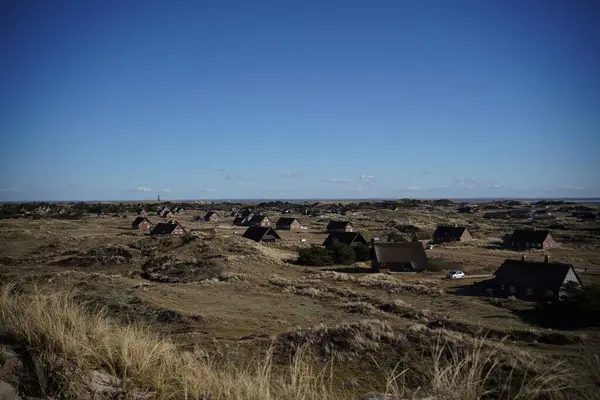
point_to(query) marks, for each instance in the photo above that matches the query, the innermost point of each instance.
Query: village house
(168, 228)
(289, 224)
(340, 226)
(522, 239)
(531, 280)
(421, 236)
(101, 214)
(454, 233)
(165, 212)
(240, 221)
(141, 223)
(466, 209)
(142, 212)
(212, 216)
(398, 257)
(347, 238)
(261, 234)
(260, 220)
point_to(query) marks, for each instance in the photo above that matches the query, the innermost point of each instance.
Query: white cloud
(234, 177)
(469, 183)
(366, 179)
(143, 189)
(166, 190)
(291, 175)
(208, 190)
(9, 190)
(336, 180)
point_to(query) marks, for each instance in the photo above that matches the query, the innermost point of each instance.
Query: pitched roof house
(530, 280)
(141, 223)
(261, 234)
(420, 236)
(240, 221)
(168, 228)
(445, 233)
(162, 212)
(142, 212)
(289, 224)
(340, 226)
(347, 238)
(212, 216)
(529, 239)
(260, 220)
(398, 257)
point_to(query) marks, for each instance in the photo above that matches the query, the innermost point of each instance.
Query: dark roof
(529, 235)
(138, 221)
(338, 224)
(449, 231)
(211, 213)
(239, 220)
(165, 228)
(286, 221)
(258, 233)
(534, 274)
(257, 219)
(400, 253)
(421, 235)
(347, 238)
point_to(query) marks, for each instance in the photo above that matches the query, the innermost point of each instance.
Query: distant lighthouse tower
(158, 198)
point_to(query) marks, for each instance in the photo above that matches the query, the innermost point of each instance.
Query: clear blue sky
(124, 99)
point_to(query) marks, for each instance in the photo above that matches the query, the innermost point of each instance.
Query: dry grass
(68, 346)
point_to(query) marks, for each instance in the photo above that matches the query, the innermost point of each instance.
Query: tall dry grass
(66, 345)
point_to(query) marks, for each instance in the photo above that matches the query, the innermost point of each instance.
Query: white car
(455, 275)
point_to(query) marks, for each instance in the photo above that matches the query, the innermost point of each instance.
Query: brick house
(340, 226)
(522, 239)
(261, 234)
(454, 233)
(142, 224)
(168, 228)
(531, 280)
(290, 224)
(212, 216)
(347, 238)
(260, 220)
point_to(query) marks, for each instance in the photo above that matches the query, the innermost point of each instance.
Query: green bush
(342, 254)
(396, 237)
(315, 255)
(578, 307)
(363, 252)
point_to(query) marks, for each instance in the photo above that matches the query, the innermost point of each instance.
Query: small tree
(315, 256)
(396, 237)
(362, 252)
(576, 307)
(342, 254)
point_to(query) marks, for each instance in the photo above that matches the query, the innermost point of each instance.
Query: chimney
(546, 259)
(524, 257)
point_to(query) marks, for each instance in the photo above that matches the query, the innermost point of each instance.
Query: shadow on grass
(350, 270)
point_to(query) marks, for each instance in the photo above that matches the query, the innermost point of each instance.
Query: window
(501, 287)
(529, 291)
(513, 289)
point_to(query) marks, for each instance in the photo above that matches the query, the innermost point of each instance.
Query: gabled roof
(338, 224)
(239, 220)
(530, 235)
(347, 238)
(136, 222)
(258, 233)
(211, 213)
(257, 219)
(165, 228)
(400, 253)
(534, 274)
(421, 235)
(449, 231)
(286, 221)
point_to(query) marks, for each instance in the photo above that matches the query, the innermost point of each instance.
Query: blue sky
(299, 99)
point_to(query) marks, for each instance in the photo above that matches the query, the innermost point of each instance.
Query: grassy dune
(67, 346)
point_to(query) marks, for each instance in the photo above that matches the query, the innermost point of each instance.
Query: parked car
(455, 275)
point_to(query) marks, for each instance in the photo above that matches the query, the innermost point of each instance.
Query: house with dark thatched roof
(398, 257)
(168, 228)
(347, 238)
(531, 280)
(261, 234)
(340, 226)
(529, 239)
(289, 224)
(444, 233)
(141, 223)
